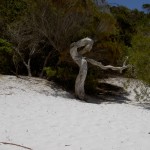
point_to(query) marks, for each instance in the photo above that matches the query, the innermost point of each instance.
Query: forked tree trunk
(28, 63)
(81, 61)
(28, 67)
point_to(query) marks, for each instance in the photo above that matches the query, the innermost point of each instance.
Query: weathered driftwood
(81, 61)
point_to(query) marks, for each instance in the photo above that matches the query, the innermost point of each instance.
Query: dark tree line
(36, 36)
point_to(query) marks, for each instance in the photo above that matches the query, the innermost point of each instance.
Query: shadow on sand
(109, 93)
(107, 98)
(145, 105)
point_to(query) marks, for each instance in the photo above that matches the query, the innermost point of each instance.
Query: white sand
(35, 114)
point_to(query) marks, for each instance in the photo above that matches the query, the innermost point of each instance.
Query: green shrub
(6, 53)
(50, 72)
(139, 56)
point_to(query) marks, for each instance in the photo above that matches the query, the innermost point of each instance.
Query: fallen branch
(6, 143)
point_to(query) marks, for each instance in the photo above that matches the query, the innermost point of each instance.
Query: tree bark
(28, 67)
(81, 61)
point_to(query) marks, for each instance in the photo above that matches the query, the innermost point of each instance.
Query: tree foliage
(147, 7)
(140, 57)
(5, 56)
(41, 31)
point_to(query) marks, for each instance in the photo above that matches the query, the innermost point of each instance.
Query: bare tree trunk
(87, 43)
(79, 84)
(28, 64)
(28, 67)
(82, 63)
(45, 63)
(16, 65)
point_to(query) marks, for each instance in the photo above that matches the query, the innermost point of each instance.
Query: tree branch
(99, 64)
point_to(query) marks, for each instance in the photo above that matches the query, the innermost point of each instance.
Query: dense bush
(6, 53)
(139, 56)
(41, 32)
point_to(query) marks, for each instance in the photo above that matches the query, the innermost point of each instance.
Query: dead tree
(28, 63)
(81, 61)
(25, 44)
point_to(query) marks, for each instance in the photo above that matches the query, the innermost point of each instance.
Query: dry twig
(6, 143)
